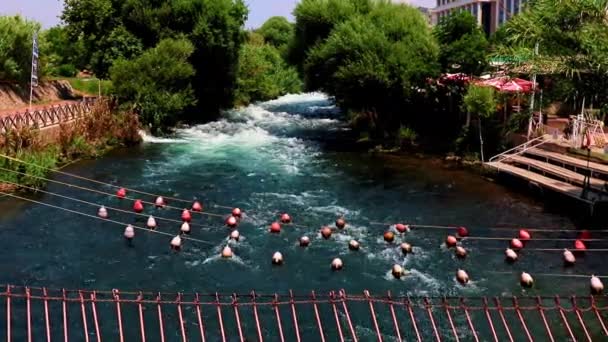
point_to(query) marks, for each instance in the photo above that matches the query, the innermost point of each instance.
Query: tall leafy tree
(315, 19)
(16, 47)
(157, 83)
(278, 32)
(376, 63)
(572, 40)
(463, 46)
(123, 29)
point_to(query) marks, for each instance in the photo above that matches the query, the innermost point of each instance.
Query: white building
(490, 14)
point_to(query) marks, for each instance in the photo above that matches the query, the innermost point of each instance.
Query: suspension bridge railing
(48, 116)
(36, 314)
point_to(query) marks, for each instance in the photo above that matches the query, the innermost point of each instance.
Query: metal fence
(48, 116)
(37, 314)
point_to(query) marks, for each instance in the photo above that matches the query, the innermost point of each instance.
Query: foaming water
(269, 158)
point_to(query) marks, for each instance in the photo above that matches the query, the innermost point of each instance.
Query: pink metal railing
(35, 314)
(45, 117)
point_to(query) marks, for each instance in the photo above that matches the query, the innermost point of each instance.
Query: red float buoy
(197, 206)
(340, 223)
(584, 235)
(236, 212)
(524, 235)
(516, 244)
(285, 218)
(579, 245)
(138, 206)
(121, 193)
(275, 227)
(402, 228)
(186, 216)
(451, 241)
(231, 222)
(389, 236)
(160, 202)
(326, 232)
(226, 252)
(462, 232)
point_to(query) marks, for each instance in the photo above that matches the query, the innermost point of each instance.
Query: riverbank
(28, 153)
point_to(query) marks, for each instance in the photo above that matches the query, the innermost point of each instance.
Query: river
(293, 155)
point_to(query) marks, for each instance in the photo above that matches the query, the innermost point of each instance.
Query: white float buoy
(226, 252)
(569, 258)
(304, 241)
(406, 248)
(185, 228)
(462, 277)
(336, 264)
(176, 243)
(397, 271)
(235, 235)
(510, 255)
(102, 212)
(597, 287)
(129, 232)
(460, 252)
(160, 202)
(526, 279)
(151, 222)
(353, 245)
(277, 258)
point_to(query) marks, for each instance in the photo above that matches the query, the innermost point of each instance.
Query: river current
(289, 155)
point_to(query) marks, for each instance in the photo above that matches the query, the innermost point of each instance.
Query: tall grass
(89, 86)
(87, 137)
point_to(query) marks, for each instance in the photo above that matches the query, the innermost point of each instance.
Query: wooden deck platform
(567, 175)
(568, 160)
(567, 189)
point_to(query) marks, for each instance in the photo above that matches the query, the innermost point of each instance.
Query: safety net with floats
(38, 314)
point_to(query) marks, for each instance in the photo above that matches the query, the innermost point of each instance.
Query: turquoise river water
(294, 155)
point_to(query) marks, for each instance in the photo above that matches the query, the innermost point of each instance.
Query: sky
(47, 11)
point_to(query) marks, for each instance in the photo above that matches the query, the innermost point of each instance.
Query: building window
(501, 12)
(516, 6)
(475, 8)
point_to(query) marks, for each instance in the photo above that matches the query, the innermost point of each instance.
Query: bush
(263, 75)
(157, 83)
(407, 136)
(66, 70)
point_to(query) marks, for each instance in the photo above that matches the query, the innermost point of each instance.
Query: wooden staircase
(558, 172)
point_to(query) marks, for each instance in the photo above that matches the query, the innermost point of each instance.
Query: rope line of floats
(451, 241)
(151, 219)
(129, 230)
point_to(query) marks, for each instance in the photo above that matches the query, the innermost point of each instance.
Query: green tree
(16, 48)
(61, 55)
(278, 32)
(315, 19)
(376, 63)
(157, 84)
(463, 46)
(480, 101)
(264, 75)
(572, 39)
(113, 29)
